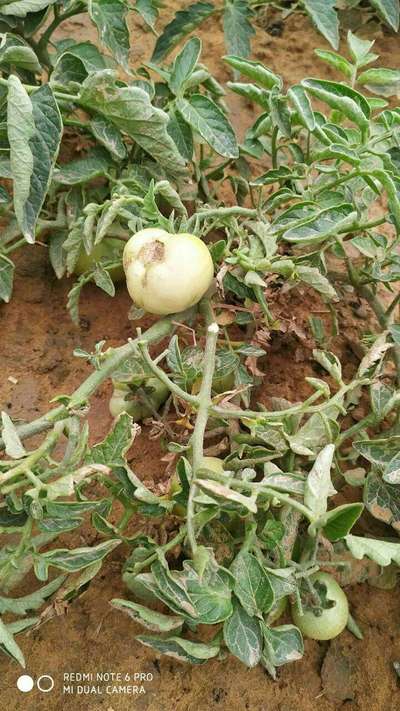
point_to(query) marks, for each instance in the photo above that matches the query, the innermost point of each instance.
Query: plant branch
(203, 412)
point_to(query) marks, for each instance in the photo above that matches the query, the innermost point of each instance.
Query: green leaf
(339, 521)
(341, 98)
(282, 580)
(318, 483)
(148, 9)
(252, 586)
(360, 49)
(385, 82)
(130, 110)
(238, 287)
(389, 10)
(219, 491)
(171, 590)
(13, 445)
(280, 114)
(181, 649)
(9, 645)
(319, 282)
(205, 117)
(109, 137)
(336, 61)
(153, 621)
(10, 519)
(209, 591)
(325, 18)
(283, 644)
(321, 225)
(32, 601)
(382, 552)
(255, 71)
(103, 280)
(243, 636)
(313, 435)
(57, 254)
(6, 278)
(58, 525)
(183, 23)
(16, 52)
(237, 27)
(82, 170)
(75, 64)
(302, 104)
(184, 64)
(338, 152)
(20, 8)
(111, 451)
(181, 134)
(74, 559)
(383, 500)
(251, 92)
(34, 134)
(205, 596)
(379, 451)
(109, 17)
(381, 399)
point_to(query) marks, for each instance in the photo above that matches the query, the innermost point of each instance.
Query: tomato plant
(253, 518)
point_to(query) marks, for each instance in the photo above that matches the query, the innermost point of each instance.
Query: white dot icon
(25, 683)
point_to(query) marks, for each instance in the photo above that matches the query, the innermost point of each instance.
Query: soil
(37, 344)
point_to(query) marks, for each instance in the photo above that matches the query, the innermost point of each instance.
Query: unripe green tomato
(108, 248)
(166, 273)
(123, 399)
(333, 620)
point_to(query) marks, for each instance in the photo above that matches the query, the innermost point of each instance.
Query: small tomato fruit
(328, 621)
(124, 399)
(166, 273)
(108, 248)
